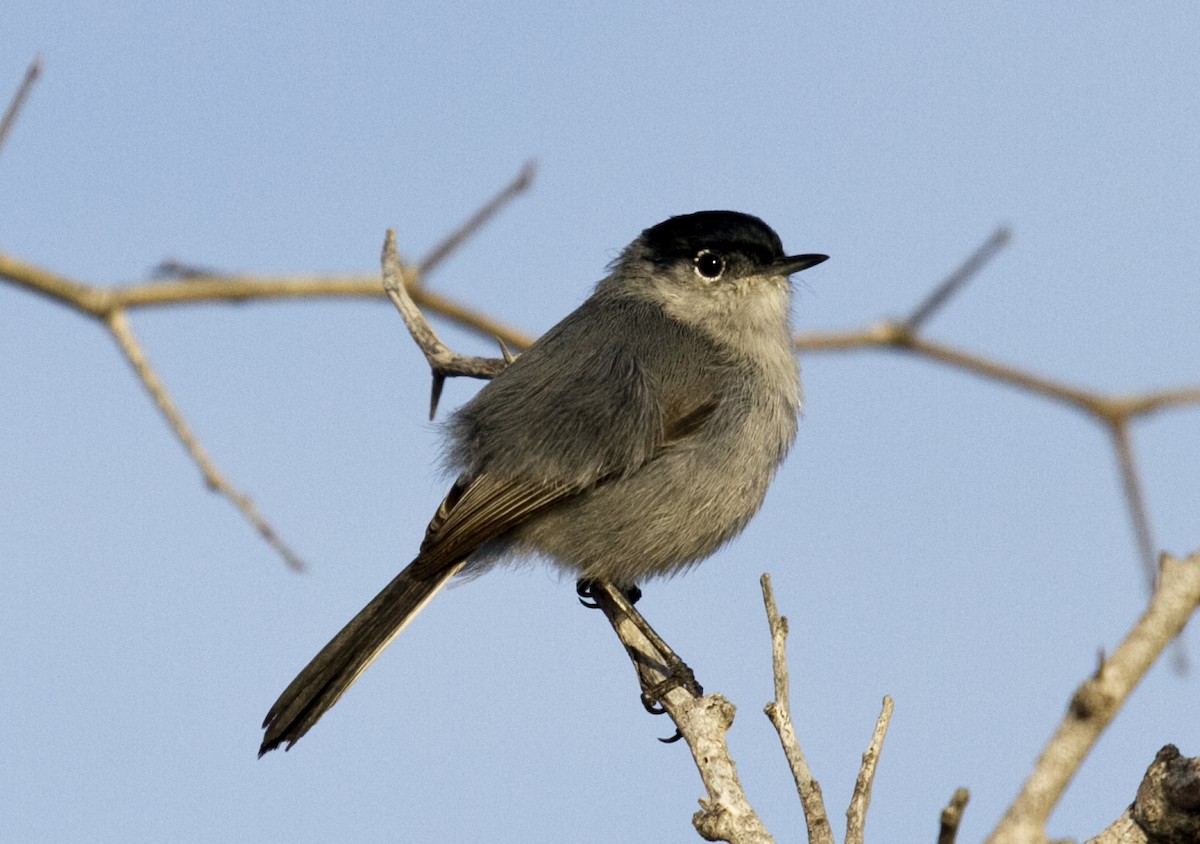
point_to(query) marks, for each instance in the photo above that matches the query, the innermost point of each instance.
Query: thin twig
(489, 209)
(1131, 482)
(952, 816)
(860, 800)
(1096, 702)
(442, 361)
(779, 711)
(958, 279)
(118, 325)
(18, 99)
(1139, 517)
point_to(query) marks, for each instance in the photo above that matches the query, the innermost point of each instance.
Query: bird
(630, 441)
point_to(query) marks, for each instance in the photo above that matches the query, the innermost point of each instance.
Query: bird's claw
(585, 588)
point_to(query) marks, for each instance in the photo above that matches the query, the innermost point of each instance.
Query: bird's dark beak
(796, 263)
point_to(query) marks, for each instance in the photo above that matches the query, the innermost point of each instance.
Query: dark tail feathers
(347, 655)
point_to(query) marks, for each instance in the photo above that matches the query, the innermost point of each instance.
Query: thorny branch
(442, 361)
(1115, 413)
(110, 306)
(780, 714)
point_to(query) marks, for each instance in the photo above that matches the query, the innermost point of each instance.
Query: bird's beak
(796, 263)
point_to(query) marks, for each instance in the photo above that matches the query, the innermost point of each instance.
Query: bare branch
(779, 711)
(18, 99)
(109, 305)
(860, 800)
(952, 816)
(98, 301)
(476, 221)
(1096, 702)
(1114, 412)
(958, 279)
(726, 814)
(118, 325)
(444, 363)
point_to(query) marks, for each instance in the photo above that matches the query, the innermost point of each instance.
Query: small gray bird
(630, 441)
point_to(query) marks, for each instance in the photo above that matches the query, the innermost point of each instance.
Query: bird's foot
(586, 588)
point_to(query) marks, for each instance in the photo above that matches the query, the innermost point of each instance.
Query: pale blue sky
(955, 544)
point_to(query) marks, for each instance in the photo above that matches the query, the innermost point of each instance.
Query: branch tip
(958, 279)
(18, 99)
(952, 816)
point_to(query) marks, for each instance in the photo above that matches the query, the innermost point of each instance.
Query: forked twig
(110, 306)
(1115, 413)
(442, 361)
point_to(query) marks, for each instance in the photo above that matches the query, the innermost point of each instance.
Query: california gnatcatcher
(631, 440)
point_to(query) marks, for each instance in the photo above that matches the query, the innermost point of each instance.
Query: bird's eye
(709, 264)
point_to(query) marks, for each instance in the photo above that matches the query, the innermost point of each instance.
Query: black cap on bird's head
(722, 232)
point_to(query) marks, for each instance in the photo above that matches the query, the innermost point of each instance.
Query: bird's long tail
(347, 655)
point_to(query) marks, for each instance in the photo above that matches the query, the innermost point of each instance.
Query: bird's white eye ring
(709, 264)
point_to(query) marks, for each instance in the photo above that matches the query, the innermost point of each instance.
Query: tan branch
(442, 361)
(118, 325)
(1116, 413)
(98, 301)
(109, 305)
(1096, 702)
(860, 800)
(779, 711)
(726, 813)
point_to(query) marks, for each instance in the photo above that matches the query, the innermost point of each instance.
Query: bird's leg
(656, 680)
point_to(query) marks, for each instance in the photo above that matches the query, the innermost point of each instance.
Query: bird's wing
(477, 511)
